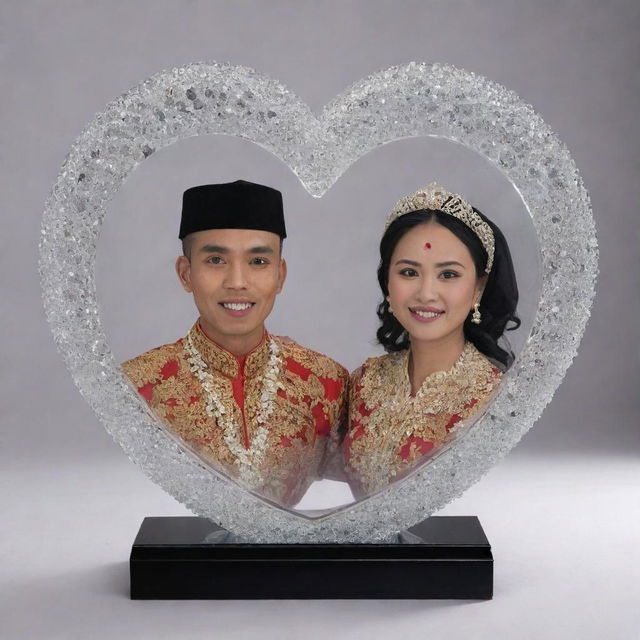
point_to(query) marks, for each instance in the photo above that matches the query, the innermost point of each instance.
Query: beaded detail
(248, 459)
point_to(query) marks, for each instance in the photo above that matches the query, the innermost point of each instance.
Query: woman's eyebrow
(449, 263)
(413, 263)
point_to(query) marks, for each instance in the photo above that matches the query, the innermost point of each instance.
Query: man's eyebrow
(261, 249)
(213, 248)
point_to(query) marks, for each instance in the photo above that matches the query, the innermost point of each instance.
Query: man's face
(234, 276)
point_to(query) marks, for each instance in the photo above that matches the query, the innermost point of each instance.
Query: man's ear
(283, 274)
(183, 269)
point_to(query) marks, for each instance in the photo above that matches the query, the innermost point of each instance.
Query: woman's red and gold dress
(391, 431)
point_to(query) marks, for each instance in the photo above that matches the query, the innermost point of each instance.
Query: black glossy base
(448, 557)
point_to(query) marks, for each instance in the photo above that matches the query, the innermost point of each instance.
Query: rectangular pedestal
(448, 557)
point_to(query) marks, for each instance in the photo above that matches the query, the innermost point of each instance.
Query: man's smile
(237, 308)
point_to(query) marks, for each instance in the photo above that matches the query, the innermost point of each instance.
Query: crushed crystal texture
(404, 101)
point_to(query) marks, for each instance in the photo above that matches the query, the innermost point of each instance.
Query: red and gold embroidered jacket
(303, 430)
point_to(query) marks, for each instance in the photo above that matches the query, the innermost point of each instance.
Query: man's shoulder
(319, 363)
(153, 363)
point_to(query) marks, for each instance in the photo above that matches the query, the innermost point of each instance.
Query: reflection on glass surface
(270, 413)
(327, 302)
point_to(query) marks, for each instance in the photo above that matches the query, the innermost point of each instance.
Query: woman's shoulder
(377, 365)
(483, 368)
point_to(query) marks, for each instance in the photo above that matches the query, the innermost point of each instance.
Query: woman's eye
(447, 275)
(410, 273)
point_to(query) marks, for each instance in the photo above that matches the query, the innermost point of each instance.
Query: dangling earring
(476, 317)
(390, 309)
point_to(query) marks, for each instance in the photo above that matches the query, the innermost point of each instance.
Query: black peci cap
(232, 205)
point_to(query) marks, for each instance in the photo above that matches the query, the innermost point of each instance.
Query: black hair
(186, 246)
(499, 299)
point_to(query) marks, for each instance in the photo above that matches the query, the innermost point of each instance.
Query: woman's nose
(428, 290)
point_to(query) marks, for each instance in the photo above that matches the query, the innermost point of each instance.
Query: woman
(449, 293)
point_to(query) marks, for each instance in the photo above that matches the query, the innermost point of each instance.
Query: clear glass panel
(329, 300)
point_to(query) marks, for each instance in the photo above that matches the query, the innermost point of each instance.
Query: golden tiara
(435, 197)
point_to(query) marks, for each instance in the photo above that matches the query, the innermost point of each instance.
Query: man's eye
(215, 260)
(410, 273)
(259, 261)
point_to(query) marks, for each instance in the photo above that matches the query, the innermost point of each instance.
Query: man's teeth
(237, 306)
(427, 314)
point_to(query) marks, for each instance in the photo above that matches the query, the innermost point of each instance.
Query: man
(263, 409)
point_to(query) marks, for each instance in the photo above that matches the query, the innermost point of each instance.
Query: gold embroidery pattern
(248, 455)
(302, 429)
(390, 430)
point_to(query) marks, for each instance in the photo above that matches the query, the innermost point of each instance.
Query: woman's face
(433, 283)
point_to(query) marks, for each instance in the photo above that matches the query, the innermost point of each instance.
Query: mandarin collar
(468, 353)
(219, 359)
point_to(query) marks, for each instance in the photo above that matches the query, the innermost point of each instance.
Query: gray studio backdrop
(61, 62)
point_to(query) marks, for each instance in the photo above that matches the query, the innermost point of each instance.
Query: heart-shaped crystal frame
(400, 102)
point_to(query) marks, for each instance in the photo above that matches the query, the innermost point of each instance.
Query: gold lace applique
(295, 451)
(390, 430)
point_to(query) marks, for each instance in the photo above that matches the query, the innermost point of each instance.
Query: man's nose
(236, 277)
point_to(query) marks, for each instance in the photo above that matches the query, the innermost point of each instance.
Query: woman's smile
(426, 314)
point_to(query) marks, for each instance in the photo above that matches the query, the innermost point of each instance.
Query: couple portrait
(276, 416)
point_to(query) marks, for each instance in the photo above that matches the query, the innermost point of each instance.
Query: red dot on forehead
(427, 245)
